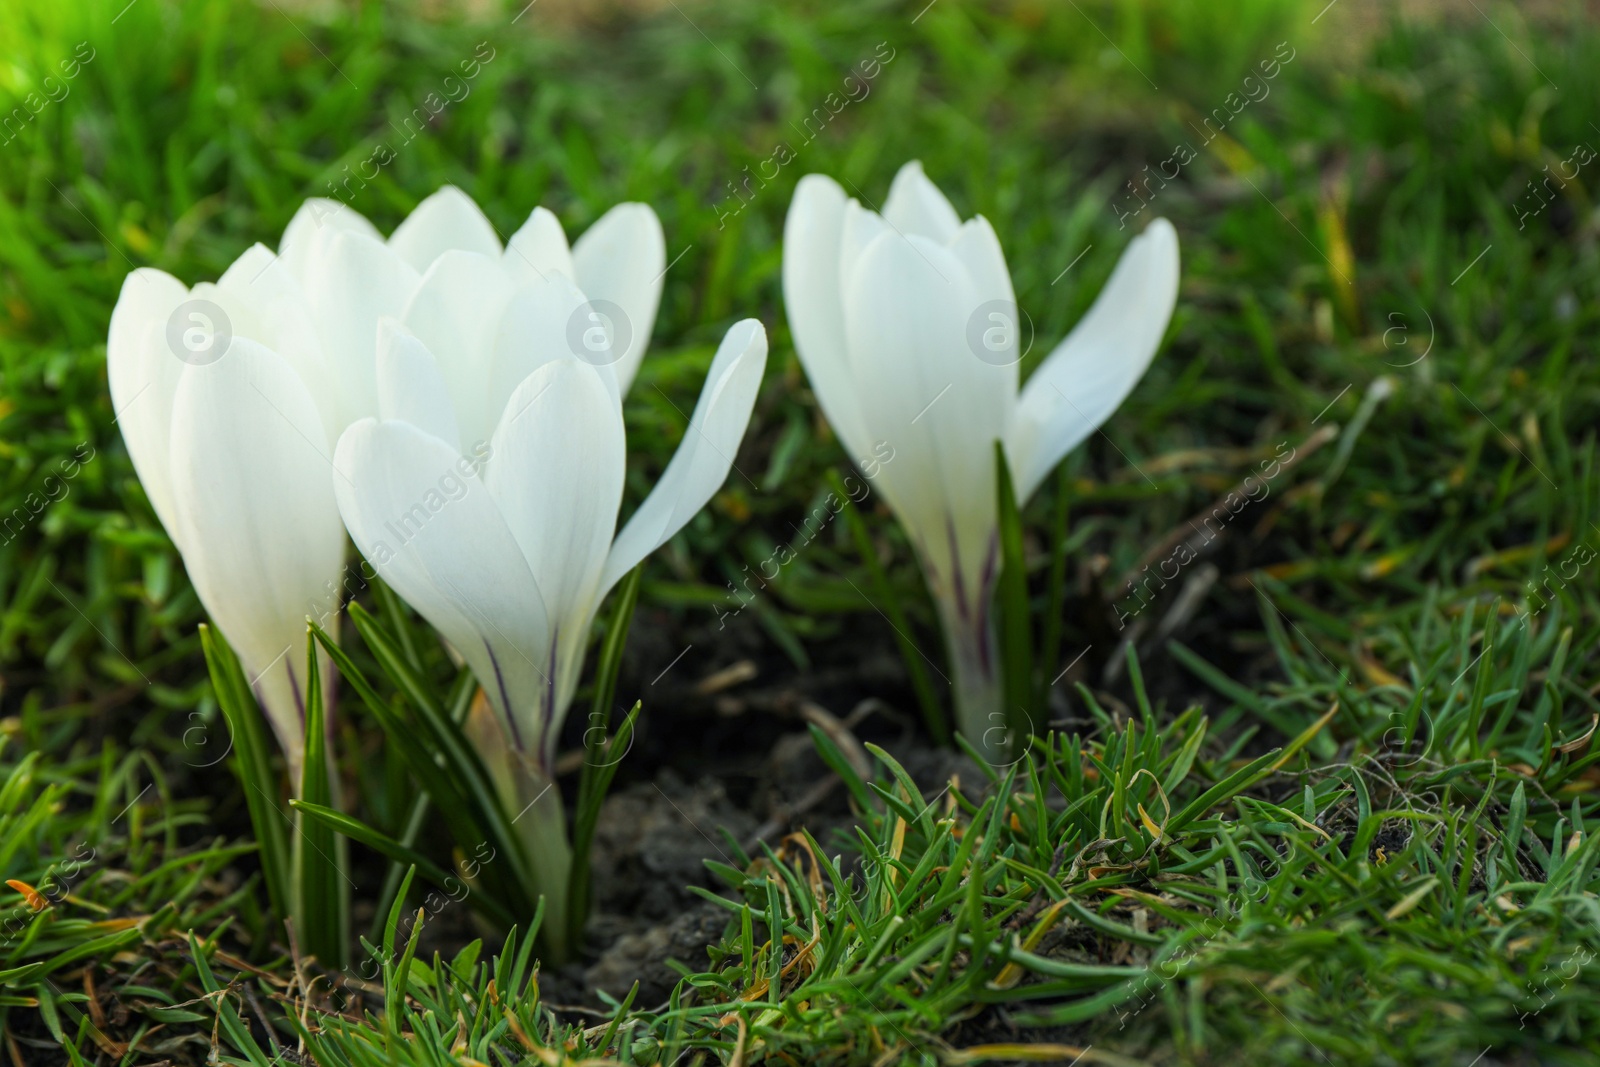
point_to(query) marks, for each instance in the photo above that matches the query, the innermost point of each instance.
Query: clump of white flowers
(907, 326)
(454, 403)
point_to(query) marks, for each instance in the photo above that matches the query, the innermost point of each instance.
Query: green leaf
(450, 773)
(600, 761)
(1248, 775)
(444, 738)
(837, 762)
(398, 980)
(916, 809)
(252, 764)
(396, 910)
(235, 1029)
(610, 662)
(362, 834)
(321, 900)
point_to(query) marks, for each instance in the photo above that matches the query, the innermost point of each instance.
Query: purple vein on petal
(962, 607)
(505, 698)
(986, 598)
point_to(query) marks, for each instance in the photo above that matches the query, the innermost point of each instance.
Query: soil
(652, 843)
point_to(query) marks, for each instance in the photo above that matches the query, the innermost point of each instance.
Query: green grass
(1414, 884)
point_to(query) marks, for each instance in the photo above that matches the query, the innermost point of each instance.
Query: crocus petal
(456, 312)
(545, 320)
(1090, 373)
(916, 207)
(144, 375)
(261, 534)
(428, 524)
(978, 249)
(906, 310)
(622, 259)
(812, 235)
(997, 333)
(560, 497)
(356, 281)
(941, 407)
(410, 387)
(539, 250)
(704, 457)
(861, 228)
(446, 221)
(318, 220)
(263, 302)
(148, 297)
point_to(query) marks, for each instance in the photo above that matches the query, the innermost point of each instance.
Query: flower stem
(979, 695)
(542, 827)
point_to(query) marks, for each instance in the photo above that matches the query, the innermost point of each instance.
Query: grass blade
(458, 787)
(321, 905)
(409, 858)
(599, 768)
(252, 764)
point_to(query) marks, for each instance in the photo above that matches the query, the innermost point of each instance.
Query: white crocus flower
(352, 277)
(211, 391)
(907, 326)
(231, 395)
(487, 491)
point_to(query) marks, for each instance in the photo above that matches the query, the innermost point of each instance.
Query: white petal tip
(747, 335)
(1161, 230)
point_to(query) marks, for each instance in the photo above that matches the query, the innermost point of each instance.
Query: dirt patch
(654, 837)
